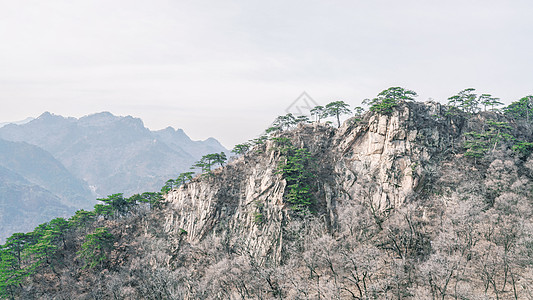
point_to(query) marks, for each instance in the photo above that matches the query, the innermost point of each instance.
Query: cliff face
(399, 213)
(228, 203)
(382, 159)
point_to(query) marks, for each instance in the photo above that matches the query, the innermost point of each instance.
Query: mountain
(41, 168)
(24, 205)
(420, 201)
(35, 187)
(28, 119)
(177, 139)
(112, 154)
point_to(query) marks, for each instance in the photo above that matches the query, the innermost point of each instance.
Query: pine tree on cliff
(466, 100)
(388, 99)
(240, 149)
(318, 112)
(521, 109)
(208, 160)
(336, 109)
(487, 100)
(184, 178)
(285, 122)
(219, 158)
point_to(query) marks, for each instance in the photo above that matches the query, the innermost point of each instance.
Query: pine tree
(95, 250)
(318, 112)
(387, 99)
(521, 109)
(240, 149)
(337, 109)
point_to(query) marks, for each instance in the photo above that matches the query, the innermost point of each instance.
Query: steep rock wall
(381, 159)
(244, 199)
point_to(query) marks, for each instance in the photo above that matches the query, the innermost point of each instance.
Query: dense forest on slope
(409, 200)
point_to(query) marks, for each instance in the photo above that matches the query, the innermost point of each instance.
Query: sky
(226, 69)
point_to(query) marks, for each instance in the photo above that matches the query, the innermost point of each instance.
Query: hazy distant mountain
(177, 139)
(28, 119)
(23, 205)
(35, 187)
(113, 154)
(40, 168)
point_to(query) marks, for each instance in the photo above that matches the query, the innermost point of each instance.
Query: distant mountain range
(68, 162)
(28, 119)
(23, 204)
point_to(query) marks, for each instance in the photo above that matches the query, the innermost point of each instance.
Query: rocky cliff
(400, 210)
(380, 159)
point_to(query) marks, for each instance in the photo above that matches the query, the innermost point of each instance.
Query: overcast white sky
(227, 68)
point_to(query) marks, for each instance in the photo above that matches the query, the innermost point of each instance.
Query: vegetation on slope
(467, 233)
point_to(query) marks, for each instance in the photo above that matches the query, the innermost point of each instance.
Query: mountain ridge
(76, 160)
(34, 204)
(41, 168)
(26, 120)
(93, 147)
(397, 208)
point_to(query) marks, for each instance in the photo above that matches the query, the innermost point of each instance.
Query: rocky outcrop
(383, 157)
(380, 159)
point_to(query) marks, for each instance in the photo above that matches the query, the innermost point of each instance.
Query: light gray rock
(379, 160)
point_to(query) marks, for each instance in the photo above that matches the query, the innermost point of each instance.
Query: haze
(227, 68)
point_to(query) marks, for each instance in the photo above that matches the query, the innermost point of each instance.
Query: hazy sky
(227, 68)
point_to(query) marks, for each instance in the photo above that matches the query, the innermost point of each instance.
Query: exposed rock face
(243, 200)
(399, 213)
(391, 151)
(382, 159)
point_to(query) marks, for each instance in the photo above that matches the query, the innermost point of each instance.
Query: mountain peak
(213, 142)
(45, 114)
(104, 116)
(136, 122)
(105, 119)
(173, 134)
(181, 133)
(48, 115)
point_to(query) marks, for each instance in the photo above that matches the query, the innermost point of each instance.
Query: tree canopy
(208, 161)
(296, 168)
(337, 109)
(284, 122)
(521, 109)
(387, 99)
(95, 250)
(468, 101)
(240, 149)
(116, 204)
(318, 112)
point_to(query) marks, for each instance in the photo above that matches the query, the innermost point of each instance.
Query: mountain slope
(35, 187)
(24, 205)
(28, 119)
(178, 139)
(112, 154)
(41, 168)
(396, 210)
